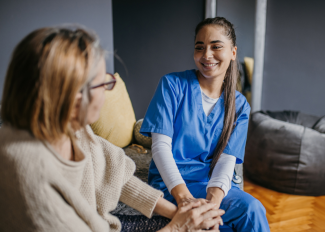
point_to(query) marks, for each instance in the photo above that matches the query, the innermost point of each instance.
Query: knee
(255, 206)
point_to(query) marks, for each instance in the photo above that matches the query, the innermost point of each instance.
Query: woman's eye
(198, 48)
(217, 47)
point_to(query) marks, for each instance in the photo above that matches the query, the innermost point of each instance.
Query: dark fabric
(294, 117)
(142, 223)
(285, 152)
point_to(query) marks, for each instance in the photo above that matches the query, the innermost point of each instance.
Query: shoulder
(242, 106)
(179, 78)
(177, 82)
(24, 160)
(21, 147)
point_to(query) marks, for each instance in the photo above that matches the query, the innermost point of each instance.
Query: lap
(243, 211)
(235, 197)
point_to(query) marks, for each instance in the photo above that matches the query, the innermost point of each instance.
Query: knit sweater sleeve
(140, 196)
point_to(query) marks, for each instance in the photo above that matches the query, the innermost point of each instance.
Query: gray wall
(153, 38)
(294, 65)
(19, 17)
(241, 13)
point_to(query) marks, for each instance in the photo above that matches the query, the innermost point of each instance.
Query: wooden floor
(290, 213)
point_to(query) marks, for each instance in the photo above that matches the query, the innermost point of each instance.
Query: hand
(195, 217)
(185, 201)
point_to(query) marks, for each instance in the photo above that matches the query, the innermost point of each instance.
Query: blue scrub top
(176, 111)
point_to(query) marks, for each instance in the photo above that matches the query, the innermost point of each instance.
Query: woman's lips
(209, 65)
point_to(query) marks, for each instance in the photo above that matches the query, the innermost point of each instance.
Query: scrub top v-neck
(176, 111)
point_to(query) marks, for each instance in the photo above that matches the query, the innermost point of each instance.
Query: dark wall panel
(153, 38)
(294, 65)
(241, 13)
(19, 17)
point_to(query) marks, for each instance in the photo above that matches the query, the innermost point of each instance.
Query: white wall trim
(210, 8)
(259, 46)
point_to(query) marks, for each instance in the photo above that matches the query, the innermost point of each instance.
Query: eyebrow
(214, 41)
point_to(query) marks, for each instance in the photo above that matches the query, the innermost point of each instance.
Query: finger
(189, 206)
(215, 228)
(211, 214)
(206, 207)
(203, 201)
(221, 211)
(211, 223)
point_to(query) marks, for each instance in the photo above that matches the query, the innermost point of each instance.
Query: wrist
(215, 195)
(181, 192)
(165, 208)
(168, 228)
(183, 197)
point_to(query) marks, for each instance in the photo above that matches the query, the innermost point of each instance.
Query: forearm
(167, 228)
(223, 173)
(165, 208)
(215, 195)
(163, 157)
(140, 196)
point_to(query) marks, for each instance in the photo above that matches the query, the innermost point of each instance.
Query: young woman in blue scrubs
(199, 119)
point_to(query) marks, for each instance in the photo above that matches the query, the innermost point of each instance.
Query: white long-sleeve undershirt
(163, 157)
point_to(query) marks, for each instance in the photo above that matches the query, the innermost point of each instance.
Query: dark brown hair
(47, 70)
(229, 87)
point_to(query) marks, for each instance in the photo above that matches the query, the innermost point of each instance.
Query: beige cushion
(117, 117)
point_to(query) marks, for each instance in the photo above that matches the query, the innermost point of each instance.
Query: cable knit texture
(40, 191)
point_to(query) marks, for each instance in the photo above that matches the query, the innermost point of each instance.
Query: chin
(92, 119)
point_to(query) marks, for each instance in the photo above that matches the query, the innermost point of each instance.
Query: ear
(76, 106)
(234, 53)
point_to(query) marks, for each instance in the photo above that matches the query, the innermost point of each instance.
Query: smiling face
(213, 52)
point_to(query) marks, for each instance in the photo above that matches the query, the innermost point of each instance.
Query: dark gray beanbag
(285, 151)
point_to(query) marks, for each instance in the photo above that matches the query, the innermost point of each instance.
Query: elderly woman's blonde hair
(48, 68)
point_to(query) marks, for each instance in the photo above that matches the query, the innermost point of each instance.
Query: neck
(212, 87)
(63, 146)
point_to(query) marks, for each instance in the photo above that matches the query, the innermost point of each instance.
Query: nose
(207, 54)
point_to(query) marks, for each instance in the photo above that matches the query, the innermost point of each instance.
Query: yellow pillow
(249, 66)
(117, 118)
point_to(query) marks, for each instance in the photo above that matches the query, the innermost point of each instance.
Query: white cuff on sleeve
(222, 173)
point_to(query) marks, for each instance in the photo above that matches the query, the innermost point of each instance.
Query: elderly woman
(56, 175)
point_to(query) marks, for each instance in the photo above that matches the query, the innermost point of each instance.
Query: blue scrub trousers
(244, 213)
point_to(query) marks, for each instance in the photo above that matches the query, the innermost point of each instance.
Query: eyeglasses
(108, 85)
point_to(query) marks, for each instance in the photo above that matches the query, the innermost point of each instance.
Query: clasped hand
(197, 215)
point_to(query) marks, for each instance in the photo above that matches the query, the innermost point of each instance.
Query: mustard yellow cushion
(117, 117)
(249, 66)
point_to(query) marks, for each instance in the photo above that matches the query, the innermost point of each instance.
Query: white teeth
(209, 65)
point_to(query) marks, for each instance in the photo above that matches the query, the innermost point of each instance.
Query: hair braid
(229, 87)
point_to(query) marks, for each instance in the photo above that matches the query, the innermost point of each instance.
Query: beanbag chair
(285, 151)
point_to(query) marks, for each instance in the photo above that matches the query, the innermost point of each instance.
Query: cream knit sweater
(40, 191)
